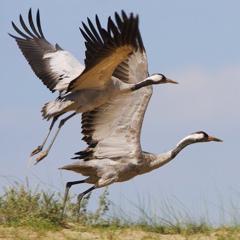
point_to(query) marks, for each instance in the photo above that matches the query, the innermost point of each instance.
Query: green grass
(40, 212)
(22, 207)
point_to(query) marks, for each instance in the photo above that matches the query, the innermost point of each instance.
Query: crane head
(158, 78)
(204, 137)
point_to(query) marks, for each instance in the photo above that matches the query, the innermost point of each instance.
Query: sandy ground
(108, 234)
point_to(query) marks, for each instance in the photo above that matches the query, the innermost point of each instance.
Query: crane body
(80, 88)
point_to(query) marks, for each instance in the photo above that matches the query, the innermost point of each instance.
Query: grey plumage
(50, 62)
(112, 132)
(119, 162)
(84, 89)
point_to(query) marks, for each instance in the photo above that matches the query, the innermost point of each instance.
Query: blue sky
(193, 42)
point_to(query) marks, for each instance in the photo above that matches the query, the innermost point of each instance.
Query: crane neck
(144, 83)
(123, 87)
(154, 161)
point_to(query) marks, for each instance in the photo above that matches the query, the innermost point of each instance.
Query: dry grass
(78, 231)
(26, 214)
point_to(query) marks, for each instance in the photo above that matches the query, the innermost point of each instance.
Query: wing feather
(115, 46)
(54, 66)
(113, 130)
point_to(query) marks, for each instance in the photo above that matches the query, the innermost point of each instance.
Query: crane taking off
(82, 89)
(114, 155)
(112, 132)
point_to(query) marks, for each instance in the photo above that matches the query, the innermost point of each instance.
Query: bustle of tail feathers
(55, 108)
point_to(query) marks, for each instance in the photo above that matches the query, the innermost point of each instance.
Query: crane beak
(210, 138)
(168, 80)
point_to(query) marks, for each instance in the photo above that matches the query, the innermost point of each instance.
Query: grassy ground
(78, 231)
(26, 214)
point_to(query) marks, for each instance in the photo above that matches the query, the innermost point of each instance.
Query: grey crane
(114, 153)
(112, 132)
(82, 89)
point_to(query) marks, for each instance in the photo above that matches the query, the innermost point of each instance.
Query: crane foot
(37, 150)
(41, 157)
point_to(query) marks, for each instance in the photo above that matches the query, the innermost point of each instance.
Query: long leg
(39, 148)
(68, 186)
(45, 153)
(80, 196)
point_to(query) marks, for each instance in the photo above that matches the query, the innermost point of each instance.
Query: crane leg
(39, 148)
(68, 186)
(45, 153)
(80, 196)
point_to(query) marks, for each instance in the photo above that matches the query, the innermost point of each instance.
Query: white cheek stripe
(196, 136)
(157, 77)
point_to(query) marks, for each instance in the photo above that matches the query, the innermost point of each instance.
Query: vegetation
(27, 214)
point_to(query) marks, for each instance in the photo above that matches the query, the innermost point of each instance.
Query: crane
(82, 89)
(109, 159)
(112, 132)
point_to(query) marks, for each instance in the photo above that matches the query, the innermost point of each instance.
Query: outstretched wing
(54, 66)
(106, 50)
(113, 129)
